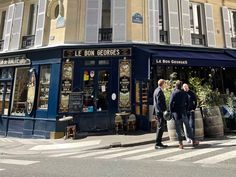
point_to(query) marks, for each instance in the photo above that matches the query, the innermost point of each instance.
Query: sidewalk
(24, 146)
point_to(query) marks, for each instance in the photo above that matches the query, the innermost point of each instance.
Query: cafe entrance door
(96, 88)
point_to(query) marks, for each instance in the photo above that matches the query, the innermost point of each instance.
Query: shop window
(44, 86)
(2, 25)
(102, 95)
(196, 24)
(88, 90)
(233, 27)
(20, 91)
(163, 21)
(5, 89)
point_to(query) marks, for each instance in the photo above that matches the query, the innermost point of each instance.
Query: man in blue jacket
(179, 104)
(159, 104)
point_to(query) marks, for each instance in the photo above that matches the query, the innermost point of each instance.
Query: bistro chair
(119, 124)
(131, 122)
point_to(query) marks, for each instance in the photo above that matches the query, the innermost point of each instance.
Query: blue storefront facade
(92, 83)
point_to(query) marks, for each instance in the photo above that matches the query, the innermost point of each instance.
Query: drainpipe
(180, 22)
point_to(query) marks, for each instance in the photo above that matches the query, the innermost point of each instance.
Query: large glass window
(44, 85)
(20, 91)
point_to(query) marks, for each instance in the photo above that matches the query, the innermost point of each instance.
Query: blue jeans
(191, 119)
(178, 125)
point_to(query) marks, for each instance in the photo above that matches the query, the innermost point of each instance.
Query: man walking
(191, 108)
(179, 103)
(159, 104)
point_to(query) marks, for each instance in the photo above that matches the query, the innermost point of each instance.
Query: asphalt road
(210, 159)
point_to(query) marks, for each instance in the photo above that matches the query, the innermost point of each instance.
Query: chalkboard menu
(75, 102)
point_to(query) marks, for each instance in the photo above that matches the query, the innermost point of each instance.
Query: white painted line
(98, 153)
(65, 145)
(157, 152)
(218, 158)
(126, 153)
(17, 162)
(7, 140)
(1, 169)
(192, 153)
(65, 154)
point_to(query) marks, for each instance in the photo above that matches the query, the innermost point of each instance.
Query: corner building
(94, 58)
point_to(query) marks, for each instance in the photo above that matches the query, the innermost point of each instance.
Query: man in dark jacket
(192, 106)
(159, 104)
(179, 104)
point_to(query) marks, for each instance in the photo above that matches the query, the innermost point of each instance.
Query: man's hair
(161, 82)
(178, 84)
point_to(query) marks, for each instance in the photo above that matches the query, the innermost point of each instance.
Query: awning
(193, 58)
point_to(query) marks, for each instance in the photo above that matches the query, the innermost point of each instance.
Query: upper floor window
(32, 19)
(233, 23)
(163, 20)
(105, 32)
(196, 24)
(2, 25)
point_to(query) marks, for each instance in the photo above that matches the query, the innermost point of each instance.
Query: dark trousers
(160, 128)
(191, 119)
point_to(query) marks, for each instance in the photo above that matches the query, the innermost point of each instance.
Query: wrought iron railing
(163, 36)
(1, 44)
(105, 35)
(198, 39)
(28, 41)
(233, 39)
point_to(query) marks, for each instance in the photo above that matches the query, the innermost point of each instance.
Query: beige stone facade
(71, 27)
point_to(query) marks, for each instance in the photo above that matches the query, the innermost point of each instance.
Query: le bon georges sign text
(106, 52)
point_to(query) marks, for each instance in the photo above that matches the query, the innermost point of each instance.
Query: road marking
(158, 152)
(65, 146)
(1, 169)
(98, 153)
(218, 158)
(6, 140)
(17, 162)
(65, 154)
(192, 153)
(126, 153)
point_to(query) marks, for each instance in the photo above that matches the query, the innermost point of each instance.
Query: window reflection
(102, 96)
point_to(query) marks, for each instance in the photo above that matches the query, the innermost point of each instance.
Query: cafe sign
(105, 52)
(171, 62)
(19, 60)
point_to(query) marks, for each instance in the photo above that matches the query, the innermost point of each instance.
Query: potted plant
(209, 101)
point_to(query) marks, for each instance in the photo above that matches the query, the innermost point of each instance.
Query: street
(212, 158)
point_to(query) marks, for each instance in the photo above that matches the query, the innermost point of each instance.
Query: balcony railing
(198, 39)
(163, 36)
(1, 44)
(27, 41)
(105, 35)
(233, 39)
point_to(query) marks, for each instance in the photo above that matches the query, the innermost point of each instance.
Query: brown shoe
(195, 143)
(181, 146)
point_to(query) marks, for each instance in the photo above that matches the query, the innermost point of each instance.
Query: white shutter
(210, 28)
(8, 28)
(119, 21)
(39, 34)
(173, 14)
(154, 33)
(186, 23)
(93, 20)
(226, 26)
(16, 26)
